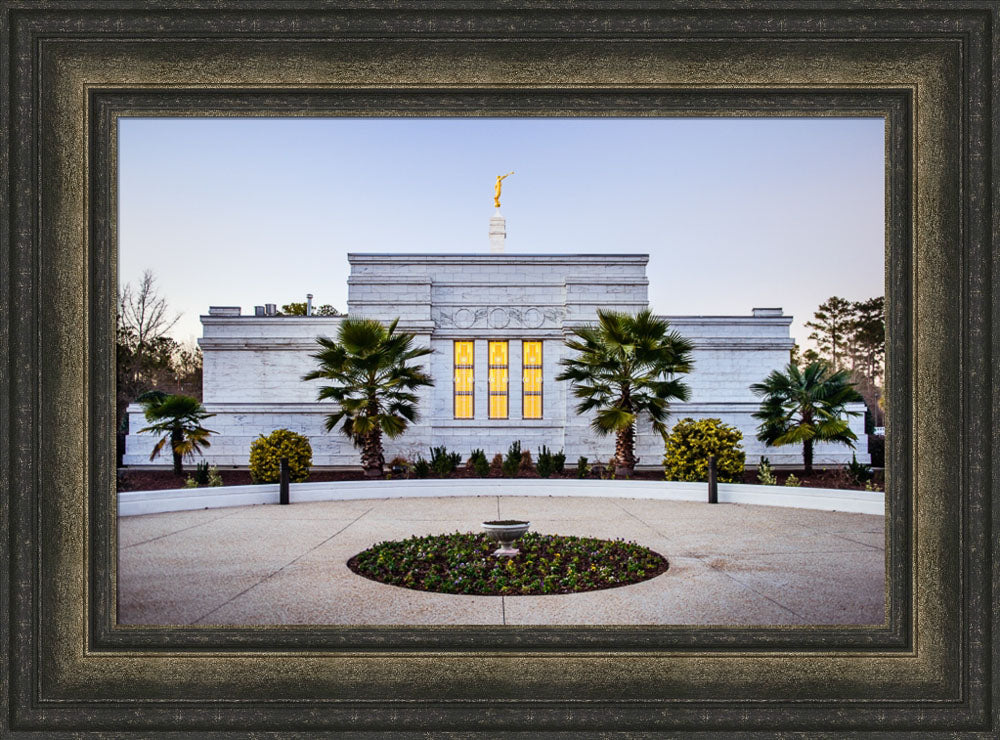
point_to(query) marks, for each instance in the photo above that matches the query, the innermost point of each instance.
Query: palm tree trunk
(807, 456)
(372, 459)
(175, 439)
(625, 452)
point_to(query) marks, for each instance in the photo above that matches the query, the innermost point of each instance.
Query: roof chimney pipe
(309, 304)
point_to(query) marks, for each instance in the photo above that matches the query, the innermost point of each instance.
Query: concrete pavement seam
(290, 562)
(178, 531)
(859, 542)
(640, 520)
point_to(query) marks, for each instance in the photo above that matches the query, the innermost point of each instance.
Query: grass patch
(547, 564)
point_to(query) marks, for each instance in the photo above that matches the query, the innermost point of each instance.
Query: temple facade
(497, 324)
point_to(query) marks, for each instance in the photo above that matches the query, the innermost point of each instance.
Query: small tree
(374, 384)
(179, 419)
(805, 406)
(266, 453)
(691, 442)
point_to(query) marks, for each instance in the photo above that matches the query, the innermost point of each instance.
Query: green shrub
(443, 462)
(478, 464)
(859, 472)
(792, 481)
(512, 463)
(765, 476)
(876, 448)
(559, 462)
(266, 453)
(214, 476)
(582, 468)
(190, 482)
(201, 473)
(400, 466)
(545, 466)
(691, 442)
(421, 468)
(609, 470)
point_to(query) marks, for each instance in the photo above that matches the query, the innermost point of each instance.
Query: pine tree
(833, 330)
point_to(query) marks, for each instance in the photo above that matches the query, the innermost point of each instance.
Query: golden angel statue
(498, 186)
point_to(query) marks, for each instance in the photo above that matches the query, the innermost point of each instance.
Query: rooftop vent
(270, 309)
(259, 311)
(223, 310)
(761, 312)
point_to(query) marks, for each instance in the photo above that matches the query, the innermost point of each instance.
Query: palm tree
(179, 419)
(374, 384)
(805, 406)
(625, 365)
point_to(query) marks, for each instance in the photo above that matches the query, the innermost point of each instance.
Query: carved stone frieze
(498, 317)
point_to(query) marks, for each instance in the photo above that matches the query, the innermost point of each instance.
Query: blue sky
(734, 213)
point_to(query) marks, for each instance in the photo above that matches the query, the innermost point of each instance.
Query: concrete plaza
(730, 564)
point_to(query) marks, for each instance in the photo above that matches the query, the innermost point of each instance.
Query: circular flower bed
(547, 564)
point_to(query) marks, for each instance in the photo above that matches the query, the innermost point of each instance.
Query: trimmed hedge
(266, 453)
(691, 442)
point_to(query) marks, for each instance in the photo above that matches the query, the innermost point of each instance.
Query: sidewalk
(730, 564)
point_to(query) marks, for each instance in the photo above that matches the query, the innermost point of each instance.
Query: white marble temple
(254, 365)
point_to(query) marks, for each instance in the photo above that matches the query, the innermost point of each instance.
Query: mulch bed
(155, 480)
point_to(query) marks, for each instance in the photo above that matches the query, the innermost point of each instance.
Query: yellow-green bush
(266, 453)
(691, 442)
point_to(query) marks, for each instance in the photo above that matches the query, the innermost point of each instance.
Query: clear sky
(734, 213)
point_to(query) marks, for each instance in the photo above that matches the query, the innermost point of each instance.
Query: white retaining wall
(131, 503)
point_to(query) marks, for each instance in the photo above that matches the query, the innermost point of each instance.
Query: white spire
(498, 232)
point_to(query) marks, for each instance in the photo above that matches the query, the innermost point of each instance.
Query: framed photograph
(73, 75)
(491, 430)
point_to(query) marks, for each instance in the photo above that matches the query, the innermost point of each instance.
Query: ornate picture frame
(71, 70)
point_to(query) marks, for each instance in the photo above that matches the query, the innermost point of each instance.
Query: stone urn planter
(506, 532)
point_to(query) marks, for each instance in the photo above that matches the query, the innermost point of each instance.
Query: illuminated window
(498, 380)
(464, 385)
(531, 355)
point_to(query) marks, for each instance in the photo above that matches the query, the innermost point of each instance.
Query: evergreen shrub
(545, 466)
(512, 463)
(691, 442)
(876, 448)
(421, 468)
(201, 473)
(443, 462)
(860, 472)
(266, 453)
(559, 462)
(478, 464)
